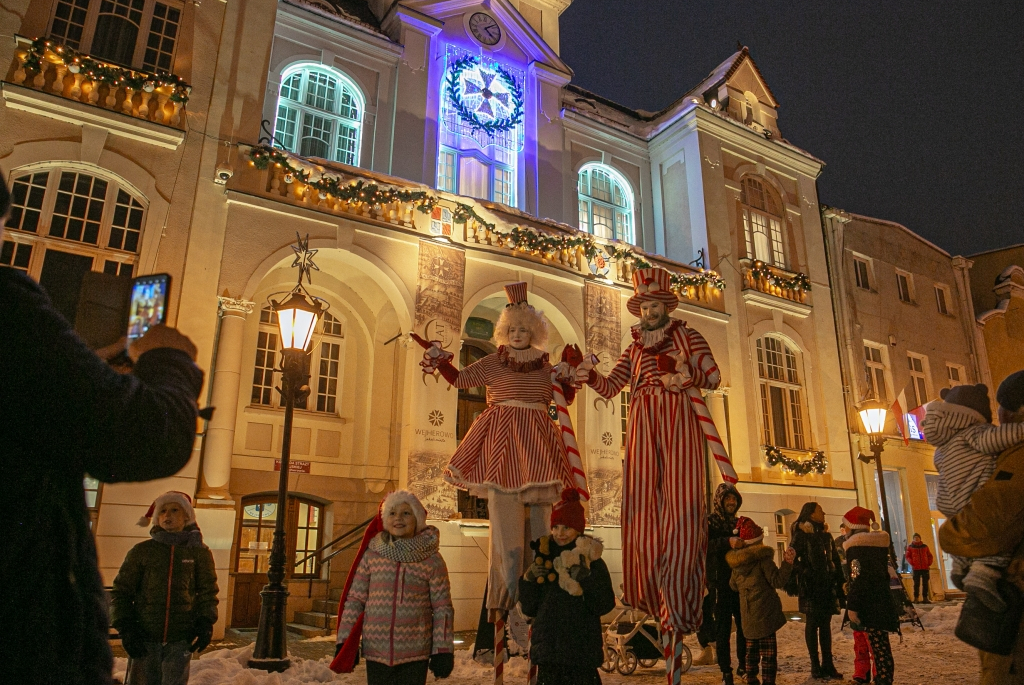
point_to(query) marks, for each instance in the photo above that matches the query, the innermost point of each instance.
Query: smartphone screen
(148, 306)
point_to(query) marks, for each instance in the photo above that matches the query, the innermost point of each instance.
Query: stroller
(633, 638)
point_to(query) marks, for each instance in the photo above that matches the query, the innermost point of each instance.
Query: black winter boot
(815, 667)
(727, 679)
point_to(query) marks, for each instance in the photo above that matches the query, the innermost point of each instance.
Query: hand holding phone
(162, 336)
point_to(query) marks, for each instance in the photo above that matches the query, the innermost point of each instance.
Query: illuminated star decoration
(304, 258)
(495, 99)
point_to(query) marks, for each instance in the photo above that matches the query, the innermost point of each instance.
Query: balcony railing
(340, 189)
(51, 67)
(772, 280)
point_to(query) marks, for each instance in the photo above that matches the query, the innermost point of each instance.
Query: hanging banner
(603, 334)
(442, 275)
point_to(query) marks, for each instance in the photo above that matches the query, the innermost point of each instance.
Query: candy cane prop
(499, 648)
(572, 450)
(533, 667)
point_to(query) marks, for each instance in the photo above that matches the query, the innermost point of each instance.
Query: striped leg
(672, 642)
(533, 666)
(499, 648)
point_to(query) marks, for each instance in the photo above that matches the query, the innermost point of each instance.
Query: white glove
(434, 356)
(564, 373)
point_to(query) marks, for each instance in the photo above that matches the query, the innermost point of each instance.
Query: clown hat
(860, 518)
(179, 498)
(748, 531)
(516, 293)
(652, 285)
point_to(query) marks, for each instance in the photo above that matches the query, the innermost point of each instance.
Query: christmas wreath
(500, 106)
(817, 463)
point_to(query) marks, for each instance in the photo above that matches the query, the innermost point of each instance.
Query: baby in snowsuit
(966, 448)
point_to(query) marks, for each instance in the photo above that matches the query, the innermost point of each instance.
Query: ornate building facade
(432, 152)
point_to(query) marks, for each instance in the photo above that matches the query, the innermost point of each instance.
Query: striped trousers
(664, 528)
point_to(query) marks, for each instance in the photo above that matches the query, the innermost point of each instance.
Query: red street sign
(293, 466)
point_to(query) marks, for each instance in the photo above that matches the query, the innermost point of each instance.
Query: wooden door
(245, 608)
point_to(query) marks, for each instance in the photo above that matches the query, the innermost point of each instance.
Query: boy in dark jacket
(566, 590)
(165, 595)
(869, 605)
(721, 523)
(755, 577)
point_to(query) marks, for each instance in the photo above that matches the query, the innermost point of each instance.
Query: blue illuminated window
(319, 114)
(605, 203)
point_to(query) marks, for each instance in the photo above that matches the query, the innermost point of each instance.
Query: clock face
(484, 28)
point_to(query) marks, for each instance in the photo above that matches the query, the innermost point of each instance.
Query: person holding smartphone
(66, 413)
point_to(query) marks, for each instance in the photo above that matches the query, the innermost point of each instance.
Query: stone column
(220, 432)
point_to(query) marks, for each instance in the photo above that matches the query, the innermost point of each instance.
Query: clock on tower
(484, 28)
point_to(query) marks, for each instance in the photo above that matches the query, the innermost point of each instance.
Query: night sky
(917, 108)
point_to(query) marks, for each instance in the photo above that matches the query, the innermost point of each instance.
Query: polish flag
(899, 410)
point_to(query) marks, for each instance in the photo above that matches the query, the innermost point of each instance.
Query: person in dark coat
(164, 599)
(869, 604)
(818, 581)
(567, 589)
(721, 526)
(67, 413)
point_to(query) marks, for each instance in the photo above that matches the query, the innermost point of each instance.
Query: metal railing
(318, 553)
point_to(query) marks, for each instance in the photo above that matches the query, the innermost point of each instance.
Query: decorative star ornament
(304, 258)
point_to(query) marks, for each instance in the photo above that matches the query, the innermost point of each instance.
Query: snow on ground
(922, 658)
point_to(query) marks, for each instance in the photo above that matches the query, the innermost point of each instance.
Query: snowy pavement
(922, 658)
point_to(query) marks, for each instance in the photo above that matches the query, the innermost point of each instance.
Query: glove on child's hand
(536, 570)
(203, 632)
(441, 665)
(133, 642)
(580, 571)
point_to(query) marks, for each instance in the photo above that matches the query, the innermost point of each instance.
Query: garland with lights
(521, 238)
(798, 282)
(817, 463)
(103, 72)
(455, 96)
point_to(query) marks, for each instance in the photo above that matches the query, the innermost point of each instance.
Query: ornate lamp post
(297, 315)
(872, 415)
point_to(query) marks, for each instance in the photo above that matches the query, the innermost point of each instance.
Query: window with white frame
(67, 220)
(325, 364)
(942, 299)
(860, 272)
(918, 379)
(905, 286)
(762, 221)
(133, 33)
(319, 114)
(956, 375)
(781, 394)
(874, 373)
(605, 203)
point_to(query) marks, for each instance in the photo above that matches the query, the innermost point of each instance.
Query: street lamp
(872, 415)
(297, 317)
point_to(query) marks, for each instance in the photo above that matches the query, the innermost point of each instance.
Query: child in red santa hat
(164, 598)
(566, 590)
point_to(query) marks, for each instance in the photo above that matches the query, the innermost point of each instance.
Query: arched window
(319, 114)
(781, 394)
(762, 222)
(304, 523)
(66, 221)
(606, 203)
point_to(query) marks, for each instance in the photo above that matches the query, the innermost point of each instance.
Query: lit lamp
(873, 414)
(297, 317)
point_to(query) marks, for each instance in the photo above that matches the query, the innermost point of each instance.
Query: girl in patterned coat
(400, 599)
(513, 453)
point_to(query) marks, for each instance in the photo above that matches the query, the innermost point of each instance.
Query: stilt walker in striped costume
(664, 531)
(513, 454)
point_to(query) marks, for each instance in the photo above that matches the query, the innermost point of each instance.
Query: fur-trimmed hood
(751, 554)
(943, 420)
(878, 538)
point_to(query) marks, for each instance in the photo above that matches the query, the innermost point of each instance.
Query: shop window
(133, 33)
(319, 114)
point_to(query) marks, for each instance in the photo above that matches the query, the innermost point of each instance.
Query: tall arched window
(762, 222)
(319, 114)
(606, 203)
(781, 394)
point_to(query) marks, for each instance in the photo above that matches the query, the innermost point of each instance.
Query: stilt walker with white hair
(513, 454)
(664, 534)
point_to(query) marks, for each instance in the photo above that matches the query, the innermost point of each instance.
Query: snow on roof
(353, 12)
(726, 69)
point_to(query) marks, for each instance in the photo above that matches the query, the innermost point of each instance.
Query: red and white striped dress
(664, 527)
(513, 446)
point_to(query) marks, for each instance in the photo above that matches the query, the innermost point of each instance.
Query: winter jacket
(567, 627)
(67, 413)
(402, 585)
(166, 588)
(720, 529)
(966, 447)
(868, 557)
(993, 523)
(817, 570)
(919, 556)
(755, 576)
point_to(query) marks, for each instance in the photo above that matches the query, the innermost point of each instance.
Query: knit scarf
(419, 547)
(190, 536)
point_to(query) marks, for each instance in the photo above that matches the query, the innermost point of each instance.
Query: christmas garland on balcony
(104, 72)
(679, 281)
(817, 463)
(529, 240)
(472, 119)
(761, 270)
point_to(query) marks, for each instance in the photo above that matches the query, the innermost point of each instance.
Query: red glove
(666, 363)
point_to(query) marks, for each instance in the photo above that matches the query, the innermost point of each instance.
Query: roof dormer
(737, 88)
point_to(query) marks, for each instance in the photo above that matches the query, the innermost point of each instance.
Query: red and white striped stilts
(572, 449)
(533, 666)
(500, 649)
(672, 642)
